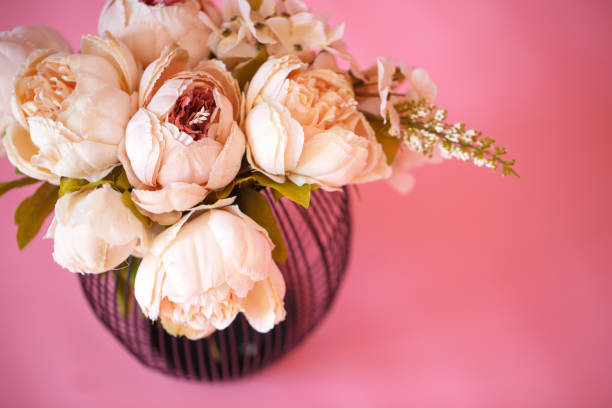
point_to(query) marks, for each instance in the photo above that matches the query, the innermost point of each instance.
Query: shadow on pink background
(473, 291)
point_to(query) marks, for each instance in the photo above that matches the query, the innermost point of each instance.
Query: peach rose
(15, 47)
(148, 26)
(74, 108)
(184, 141)
(304, 125)
(204, 270)
(93, 231)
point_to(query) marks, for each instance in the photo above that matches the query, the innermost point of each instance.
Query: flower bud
(93, 231)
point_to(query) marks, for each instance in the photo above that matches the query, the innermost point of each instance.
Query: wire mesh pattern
(318, 244)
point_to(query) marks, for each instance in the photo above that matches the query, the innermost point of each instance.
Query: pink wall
(478, 292)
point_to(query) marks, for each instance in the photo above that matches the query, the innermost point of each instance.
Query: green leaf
(33, 211)
(126, 197)
(357, 192)
(10, 185)
(245, 73)
(255, 4)
(121, 181)
(277, 196)
(70, 185)
(117, 178)
(256, 206)
(390, 144)
(297, 194)
(221, 194)
(213, 349)
(126, 277)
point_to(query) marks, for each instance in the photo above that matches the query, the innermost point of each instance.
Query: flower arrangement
(153, 145)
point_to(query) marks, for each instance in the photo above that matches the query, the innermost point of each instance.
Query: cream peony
(93, 231)
(204, 270)
(15, 47)
(184, 141)
(75, 107)
(304, 125)
(148, 26)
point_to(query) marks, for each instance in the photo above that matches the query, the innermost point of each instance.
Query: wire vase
(318, 246)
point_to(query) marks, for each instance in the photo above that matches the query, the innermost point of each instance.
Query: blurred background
(472, 291)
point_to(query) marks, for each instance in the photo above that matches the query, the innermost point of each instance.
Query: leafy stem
(480, 148)
(423, 129)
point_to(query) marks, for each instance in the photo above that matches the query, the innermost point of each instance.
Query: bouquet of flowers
(154, 143)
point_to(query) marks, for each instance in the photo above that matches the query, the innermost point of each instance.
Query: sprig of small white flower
(424, 129)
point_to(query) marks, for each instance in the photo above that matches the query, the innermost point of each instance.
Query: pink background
(474, 291)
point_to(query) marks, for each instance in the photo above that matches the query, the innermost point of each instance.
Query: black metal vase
(318, 244)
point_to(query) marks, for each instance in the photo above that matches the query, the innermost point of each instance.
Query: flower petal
(20, 151)
(144, 146)
(65, 155)
(186, 164)
(264, 307)
(228, 163)
(172, 61)
(117, 54)
(173, 197)
(423, 85)
(332, 158)
(148, 284)
(267, 84)
(274, 138)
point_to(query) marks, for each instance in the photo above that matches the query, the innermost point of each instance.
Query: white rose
(75, 107)
(93, 231)
(204, 270)
(185, 140)
(15, 47)
(304, 125)
(148, 26)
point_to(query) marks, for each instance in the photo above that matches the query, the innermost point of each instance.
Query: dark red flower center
(158, 2)
(192, 112)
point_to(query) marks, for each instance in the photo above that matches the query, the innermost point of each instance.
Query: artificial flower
(148, 26)
(296, 29)
(381, 86)
(75, 108)
(93, 231)
(211, 265)
(405, 162)
(304, 125)
(15, 46)
(280, 26)
(184, 141)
